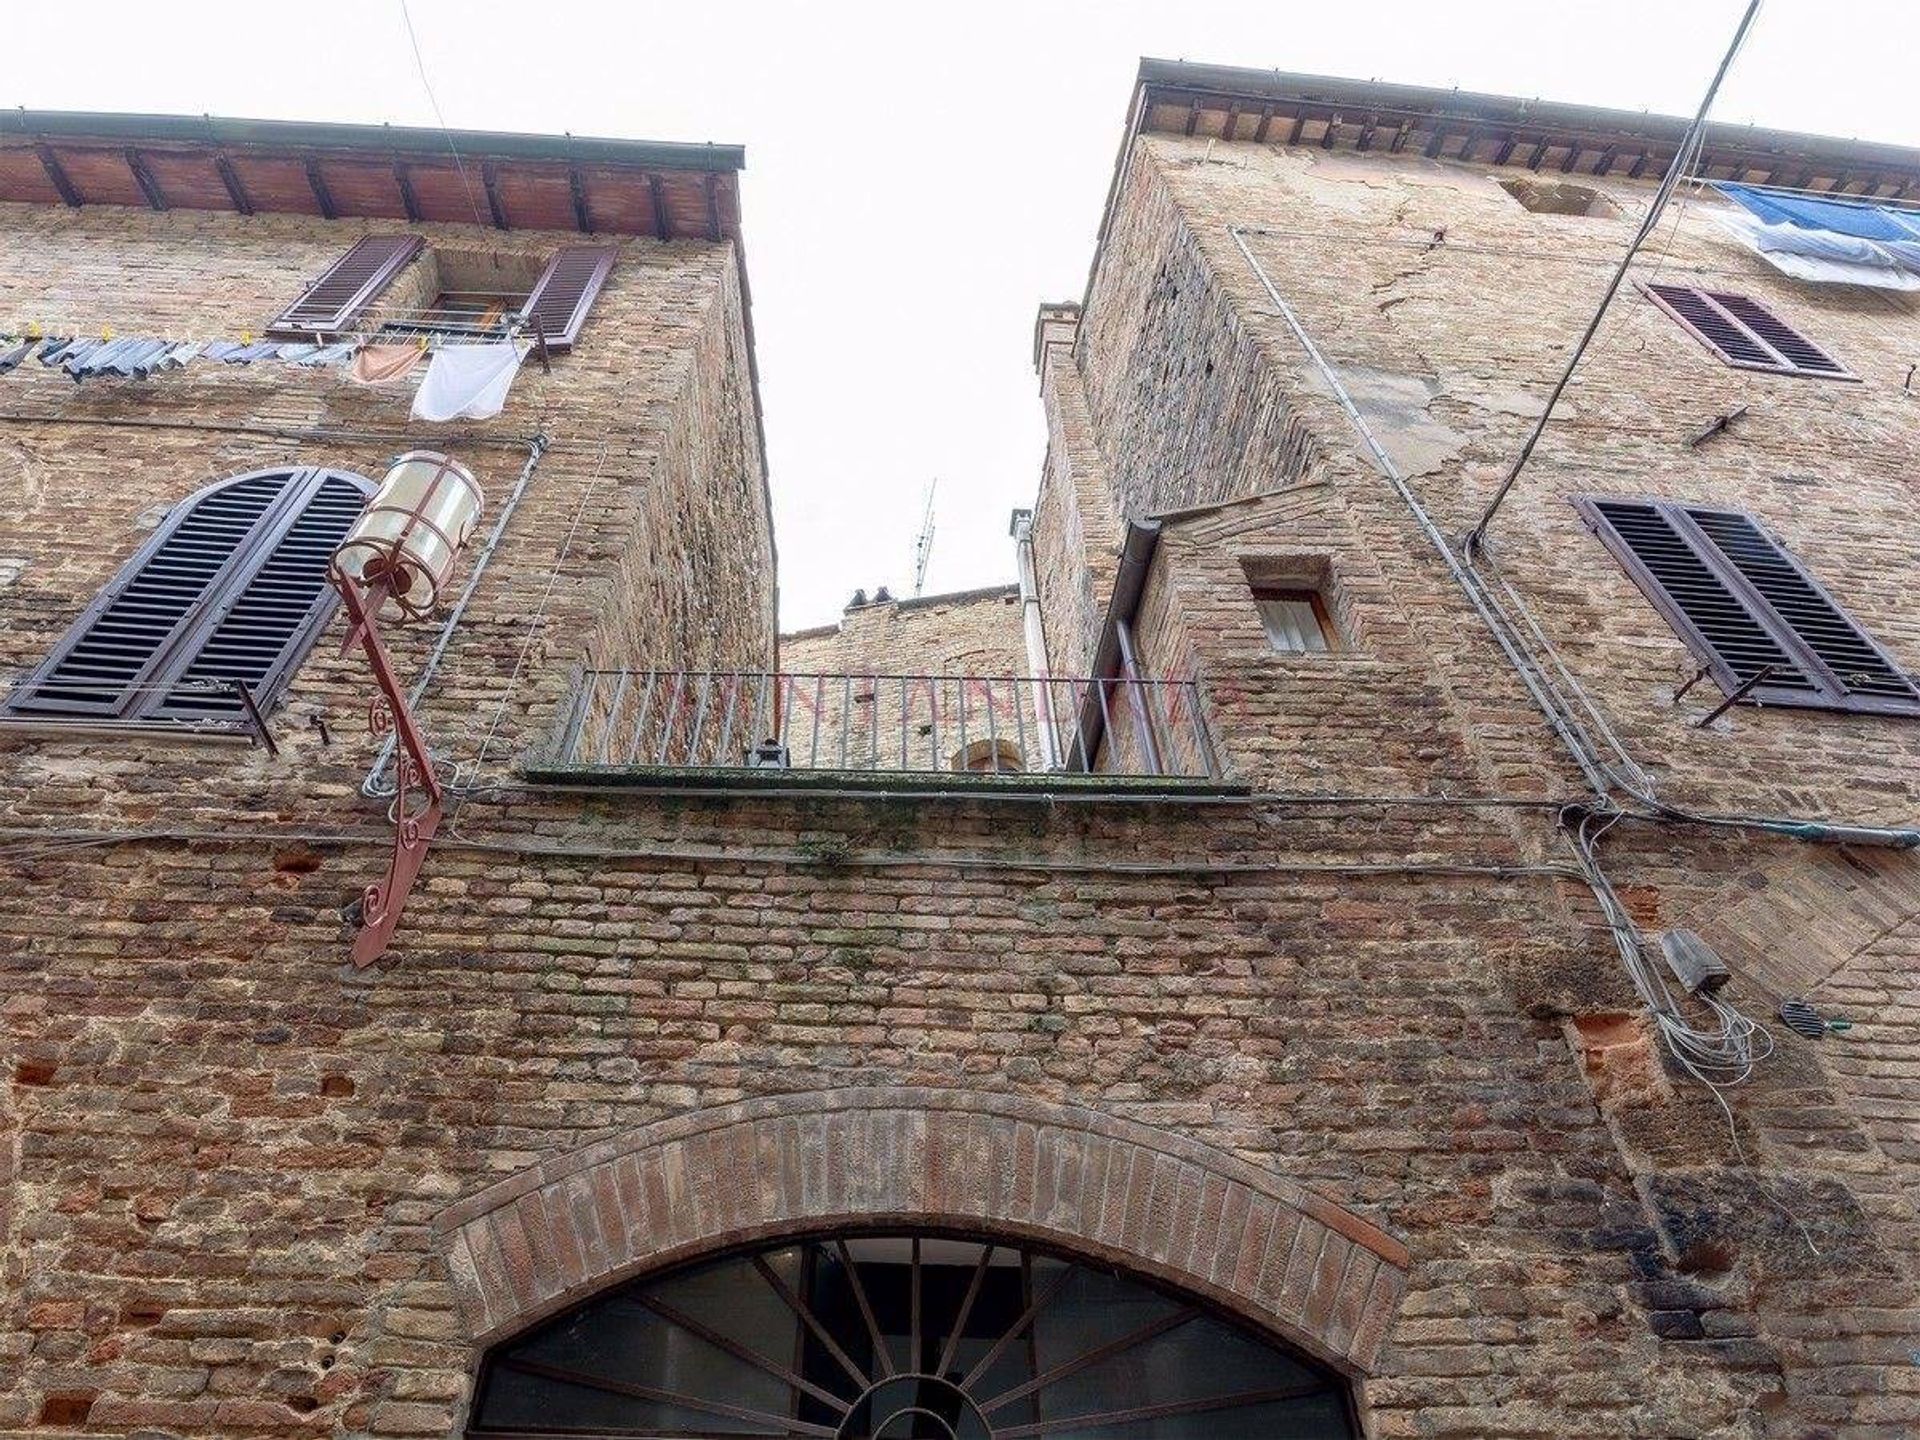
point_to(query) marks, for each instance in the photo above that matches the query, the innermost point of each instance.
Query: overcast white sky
(920, 177)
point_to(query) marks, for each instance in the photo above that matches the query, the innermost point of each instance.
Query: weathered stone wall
(1446, 343)
(643, 536)
(236, 1170)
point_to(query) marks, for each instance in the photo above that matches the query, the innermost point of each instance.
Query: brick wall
(238, 1172)
(1203, 404)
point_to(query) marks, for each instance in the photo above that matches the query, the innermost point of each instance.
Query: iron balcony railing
(891, 724)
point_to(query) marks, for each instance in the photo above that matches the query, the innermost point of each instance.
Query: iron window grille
(231, 590)
(1744, 333)
(1748, 608)
(901, 1335)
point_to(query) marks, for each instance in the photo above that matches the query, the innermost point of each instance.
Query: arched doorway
(898, 1334)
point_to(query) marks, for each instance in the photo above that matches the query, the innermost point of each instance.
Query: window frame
(147, 692)
(1829, 692)
(1782, 364)
(1329, 634)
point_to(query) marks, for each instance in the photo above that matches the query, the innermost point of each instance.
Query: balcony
(914, 733)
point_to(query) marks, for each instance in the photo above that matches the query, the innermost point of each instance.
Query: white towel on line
(468, 381)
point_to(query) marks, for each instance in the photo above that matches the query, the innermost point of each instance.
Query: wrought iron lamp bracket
(389, 713)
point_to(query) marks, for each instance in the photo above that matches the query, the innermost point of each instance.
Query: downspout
(376, 785)
(1038, 674)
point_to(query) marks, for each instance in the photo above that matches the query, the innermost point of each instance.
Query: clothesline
(462, 381)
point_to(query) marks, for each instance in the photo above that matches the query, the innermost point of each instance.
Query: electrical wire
(420, 64)
(1668, 183)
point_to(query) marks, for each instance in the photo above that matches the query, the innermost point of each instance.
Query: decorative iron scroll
(388, 713)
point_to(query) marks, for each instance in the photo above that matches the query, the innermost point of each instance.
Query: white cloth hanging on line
(468, 382)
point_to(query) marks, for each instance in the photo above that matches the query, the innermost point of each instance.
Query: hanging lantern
(407, 539)
(404, 545)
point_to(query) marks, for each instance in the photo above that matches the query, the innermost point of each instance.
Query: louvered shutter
(110, 657)
(565, 292)
(232, 586)
(1793, 347)
(260, 633)
(1743, 604)
(347, 287)
(1744, 333)
(1853, 662)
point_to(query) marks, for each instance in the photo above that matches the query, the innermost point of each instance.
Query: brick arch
(1160, 1205)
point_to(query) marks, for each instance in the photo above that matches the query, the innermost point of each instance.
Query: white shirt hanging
(468, 382)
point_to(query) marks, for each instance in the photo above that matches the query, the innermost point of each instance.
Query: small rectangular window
(1748, 608)
(1744, 333)
(1296, 620)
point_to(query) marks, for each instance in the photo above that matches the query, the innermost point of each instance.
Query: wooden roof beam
(1299, 124)
(1266, 123)
(143, 177)
(1438, 142)
(1333, 124)
(1605, 162)
(236, 192)
(490, 182)
(1507, 142)
(57, 173)
(322, 196)
(403, 182)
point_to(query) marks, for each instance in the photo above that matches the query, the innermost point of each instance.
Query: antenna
(923, 547)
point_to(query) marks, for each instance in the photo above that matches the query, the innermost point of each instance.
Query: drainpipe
(376, 786)
(1022, 532)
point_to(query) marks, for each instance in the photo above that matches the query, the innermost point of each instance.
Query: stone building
(1272, 1035)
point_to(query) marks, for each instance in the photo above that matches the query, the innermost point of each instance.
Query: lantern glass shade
(407, 539)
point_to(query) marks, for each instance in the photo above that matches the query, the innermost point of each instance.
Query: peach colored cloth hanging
(384, 364)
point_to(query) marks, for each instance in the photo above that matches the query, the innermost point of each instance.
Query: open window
(396, 286)
(1291, 598)
(230, 591)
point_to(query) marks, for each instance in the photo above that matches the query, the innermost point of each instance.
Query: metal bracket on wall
(389, 713)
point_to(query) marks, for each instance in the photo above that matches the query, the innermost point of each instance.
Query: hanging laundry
(384, 364)
(54, 351)
(468, 381)
(180, 354)
(296, 354)
(330, 354)
(12, 353)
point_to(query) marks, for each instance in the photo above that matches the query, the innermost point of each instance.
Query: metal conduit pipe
(375, 786)
(1036, 635)
(1590, 767)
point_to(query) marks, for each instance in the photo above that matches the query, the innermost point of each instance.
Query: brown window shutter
(1744, 333)
(566, 290)
(347, 287)
(204, 599)
(275, 608)
(1849, 657)
(1800, 353)
(1743, 603)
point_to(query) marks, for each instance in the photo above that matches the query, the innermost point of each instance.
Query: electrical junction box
(1693, 961)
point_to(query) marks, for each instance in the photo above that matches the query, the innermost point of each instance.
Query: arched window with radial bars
(231, 589)
(904, 1337)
